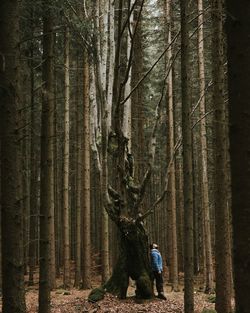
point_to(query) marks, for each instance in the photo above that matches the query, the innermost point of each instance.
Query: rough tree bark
(66, 231)
(11, 209)
(47, 179)
(79, 131)
(222, 234)
(133, 261)
(173, 266)
(123, 204)
(33, 172)
(187, 163)
(238, 49)
(205, 195)
(86, 276)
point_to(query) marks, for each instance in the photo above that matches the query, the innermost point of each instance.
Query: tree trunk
(137, 109)
(222, 236)
(33, 176)
(187, 164)
(100, 73)
(86, 279)
(12, 212)
(47, 191)
(205, 196)
(52, 215)
(79, 128)
(66, 231)
(173, 267)
(238, 49)
(25, 196)
(133, 262)
(126, 126)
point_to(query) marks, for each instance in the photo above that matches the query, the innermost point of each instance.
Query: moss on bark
(133, 262)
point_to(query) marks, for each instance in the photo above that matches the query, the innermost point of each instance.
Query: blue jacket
(156, 260)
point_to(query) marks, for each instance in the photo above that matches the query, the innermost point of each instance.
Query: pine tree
(11, 203)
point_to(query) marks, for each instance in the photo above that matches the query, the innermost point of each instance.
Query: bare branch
(201, 97)
(152, 67)
(132, 44)
(200, 119)
(161, 197)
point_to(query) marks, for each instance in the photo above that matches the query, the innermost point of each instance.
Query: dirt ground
(75, 301)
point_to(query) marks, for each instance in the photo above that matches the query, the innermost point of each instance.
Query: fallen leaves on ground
(75, 301)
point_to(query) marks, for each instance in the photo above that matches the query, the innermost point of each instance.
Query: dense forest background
(124, 123)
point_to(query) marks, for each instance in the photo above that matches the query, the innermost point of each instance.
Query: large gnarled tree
(123, 202)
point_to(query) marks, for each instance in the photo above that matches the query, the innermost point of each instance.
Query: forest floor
(76, 301)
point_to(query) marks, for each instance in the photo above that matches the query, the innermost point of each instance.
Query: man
(157, 268)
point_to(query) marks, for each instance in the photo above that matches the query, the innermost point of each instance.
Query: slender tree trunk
(33, 177)
(66, 231)
(111, 56)
(180, 216)
(86, 277)
(222, 243)
(173, 268)
(105, 218)
(137, 109)
(100, 73)
(57, 179)
(12, 212)
(47, 191)
(79, 120)
(205, 196)
(52, 239)
(187, 164)
(52, 215)
(126, 126)
(25, 174)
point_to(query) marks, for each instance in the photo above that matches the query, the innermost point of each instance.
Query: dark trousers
(159, 281)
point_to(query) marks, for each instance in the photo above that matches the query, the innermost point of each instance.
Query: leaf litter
(76, 301)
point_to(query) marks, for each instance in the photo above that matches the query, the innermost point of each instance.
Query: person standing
(157, 268)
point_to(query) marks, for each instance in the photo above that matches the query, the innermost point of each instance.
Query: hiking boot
(161, 296)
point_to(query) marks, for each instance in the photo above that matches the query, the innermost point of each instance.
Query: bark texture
(86, 179)
(238, 50)
(173, 266)
(46, 161)
(133, 262)
(222, 236)
(205, 195)
(10, 118)
(187, 163)
(66, 213)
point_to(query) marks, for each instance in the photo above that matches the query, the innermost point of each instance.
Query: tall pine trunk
(222, 237)
(173, 266)
(79, 119)
(187, 163)
(12, 211)
(238, 50)
(86, 277)
(47, 183)
(34, 170)
(204, 172)
(66, 214)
